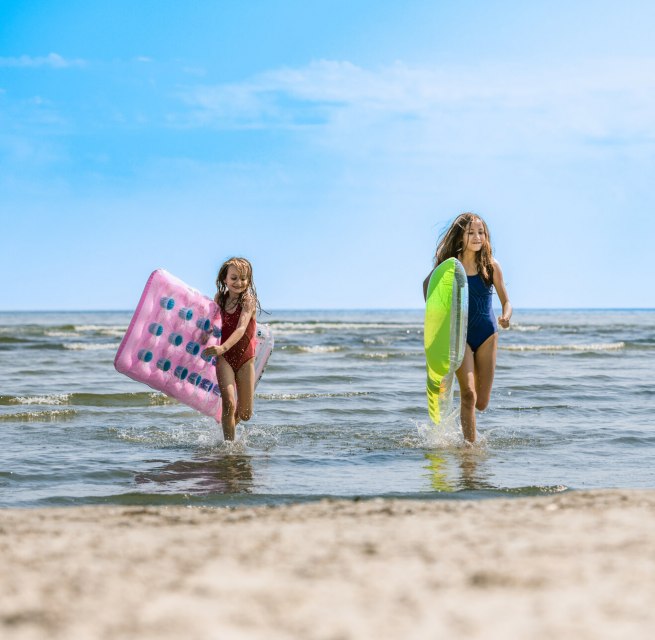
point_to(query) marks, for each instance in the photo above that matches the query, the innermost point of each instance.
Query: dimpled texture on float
(163, 344)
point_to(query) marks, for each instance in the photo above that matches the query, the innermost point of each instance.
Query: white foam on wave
(320, 349)
(54, 399)
(525, 328)
(287, 328)
(305, 396)
(279, 333)
(39, 416)
(600, 346)
(90, 346)
(101, 328)
(80, 330)
(58, 334)
(159, 398)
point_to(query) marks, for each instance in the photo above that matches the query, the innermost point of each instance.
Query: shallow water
(340, 411)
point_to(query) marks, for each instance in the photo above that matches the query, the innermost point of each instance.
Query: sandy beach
(573, 565)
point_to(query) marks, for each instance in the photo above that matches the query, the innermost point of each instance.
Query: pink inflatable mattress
(163, 344)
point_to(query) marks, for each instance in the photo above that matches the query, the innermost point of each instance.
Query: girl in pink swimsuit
(235, 355)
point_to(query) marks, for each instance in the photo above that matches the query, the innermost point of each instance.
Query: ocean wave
(44, 346)
(600, 346)
(39, 416)
(36, 330)
(312, 349)
(12, 340)
(90, 346)
(304, 396)
(525, 328)
(141, 399)
(383, 355)
(287, 328)
(535, 407)
(106, 332)
(281, 333)
(101, 328)
(31, 331)
(53, 399)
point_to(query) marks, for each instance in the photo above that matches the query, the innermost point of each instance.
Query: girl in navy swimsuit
(467, 239)
(235, 355)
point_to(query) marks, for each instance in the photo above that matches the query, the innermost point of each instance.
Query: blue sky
(328, 141)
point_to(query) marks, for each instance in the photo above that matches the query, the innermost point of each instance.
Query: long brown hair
(452, 243)
(244, 267)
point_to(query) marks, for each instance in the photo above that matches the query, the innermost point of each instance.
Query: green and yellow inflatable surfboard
(444, 336)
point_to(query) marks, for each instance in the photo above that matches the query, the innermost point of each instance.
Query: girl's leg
(466, 379)
(245, 379)
(485, 366)
(227, 385)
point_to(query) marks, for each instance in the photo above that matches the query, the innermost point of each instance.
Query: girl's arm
(247, 311)
(501, 290)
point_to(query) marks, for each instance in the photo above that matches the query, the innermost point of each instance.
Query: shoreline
(580, 564)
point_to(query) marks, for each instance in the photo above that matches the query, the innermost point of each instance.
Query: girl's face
(236, 281)
(474, 236)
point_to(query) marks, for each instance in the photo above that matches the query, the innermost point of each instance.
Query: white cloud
(53, 60)
(489, 107)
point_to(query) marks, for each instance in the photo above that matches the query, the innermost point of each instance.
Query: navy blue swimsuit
(482, 322)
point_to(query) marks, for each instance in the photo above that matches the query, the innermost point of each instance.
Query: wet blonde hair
(453, 241)
(243, 267)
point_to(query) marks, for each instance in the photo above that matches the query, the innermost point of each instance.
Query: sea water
(341, 411)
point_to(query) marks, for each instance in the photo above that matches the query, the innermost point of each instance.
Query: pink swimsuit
(244, 349)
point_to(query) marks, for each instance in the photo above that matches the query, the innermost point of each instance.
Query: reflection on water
(438, 472)
(457, 470)
(222, 473)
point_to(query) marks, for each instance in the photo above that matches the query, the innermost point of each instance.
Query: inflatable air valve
(175, 339)
(145, 355)
(163, 364)
(204, 324)
(186, 313)
(181, 372)
(156, 329)
(193, 348)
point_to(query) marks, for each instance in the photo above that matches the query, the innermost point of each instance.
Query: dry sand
(575, 565)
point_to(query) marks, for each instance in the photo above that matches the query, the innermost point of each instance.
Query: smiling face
(236, 281)
(474, 237)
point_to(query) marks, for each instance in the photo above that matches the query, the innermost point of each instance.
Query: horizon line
(322, 309)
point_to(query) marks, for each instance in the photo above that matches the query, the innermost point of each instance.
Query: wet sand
(574, 565)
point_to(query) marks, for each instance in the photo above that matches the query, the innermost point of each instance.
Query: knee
(468, 397)
(481, 403)
(482, 399)
(245, 414)
(229, 406)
